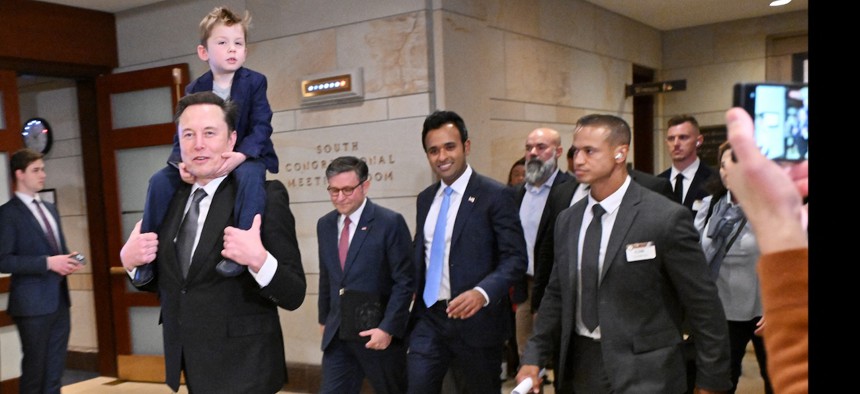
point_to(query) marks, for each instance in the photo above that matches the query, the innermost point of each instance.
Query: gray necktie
(188, 232)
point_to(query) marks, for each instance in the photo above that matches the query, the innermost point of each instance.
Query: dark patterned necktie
(49, 230)
(188, 232)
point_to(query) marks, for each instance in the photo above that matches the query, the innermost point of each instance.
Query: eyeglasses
(347, 191)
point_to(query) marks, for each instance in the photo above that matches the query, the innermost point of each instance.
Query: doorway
(643, 123)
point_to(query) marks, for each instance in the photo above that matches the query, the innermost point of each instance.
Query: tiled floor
(750, 383)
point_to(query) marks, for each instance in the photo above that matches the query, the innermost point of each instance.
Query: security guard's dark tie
(590, 269)
(188, 231)
(679, 189)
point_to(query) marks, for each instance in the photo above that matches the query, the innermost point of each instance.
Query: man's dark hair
(679, 119)
(23, 158)
(229, 108)
(520, 162)
(570, 152)
(345, 164)
(619, 130)
(438, 119)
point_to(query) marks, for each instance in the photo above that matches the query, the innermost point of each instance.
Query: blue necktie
(437, 252)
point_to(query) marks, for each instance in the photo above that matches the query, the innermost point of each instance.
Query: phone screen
(781, 116)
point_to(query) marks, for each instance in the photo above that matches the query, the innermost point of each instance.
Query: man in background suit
(683, 140)
(461, 315)
(543, 148)
(374, 259)
(620, 328)
(33, 249)
(688, 176)
(223, 333)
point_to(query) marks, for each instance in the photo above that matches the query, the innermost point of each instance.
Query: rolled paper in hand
(524, 387)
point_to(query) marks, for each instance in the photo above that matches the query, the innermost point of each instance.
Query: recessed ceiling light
(777, 3)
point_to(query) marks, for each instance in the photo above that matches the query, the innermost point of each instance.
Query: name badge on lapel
(641, 251)
(697, 205)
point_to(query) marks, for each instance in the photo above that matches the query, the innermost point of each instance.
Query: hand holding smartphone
(780, 112)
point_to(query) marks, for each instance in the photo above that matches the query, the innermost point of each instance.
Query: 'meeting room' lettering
(311, 173)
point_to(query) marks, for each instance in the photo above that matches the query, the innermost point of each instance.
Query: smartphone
(80, 258)
(781, 115)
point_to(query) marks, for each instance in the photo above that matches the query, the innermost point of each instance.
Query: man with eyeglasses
(366, 286)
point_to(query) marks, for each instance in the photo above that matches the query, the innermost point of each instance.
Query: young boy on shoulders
(223, 46)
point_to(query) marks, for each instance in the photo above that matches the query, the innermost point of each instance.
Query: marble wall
(712, 59)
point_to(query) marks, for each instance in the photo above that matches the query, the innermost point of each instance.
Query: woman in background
(517, 175)
(732, 253)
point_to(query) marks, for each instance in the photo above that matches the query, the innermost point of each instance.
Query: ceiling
(660, 14)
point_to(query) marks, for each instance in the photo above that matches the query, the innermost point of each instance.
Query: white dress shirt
(28, 202)
(531, 210)
(267, 271)
(689, 174)
(610, 204)
(459, 189)
(353, 221)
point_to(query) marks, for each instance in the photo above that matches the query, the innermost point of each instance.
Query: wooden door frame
(94, 192)
(129, 366)
(643, 123)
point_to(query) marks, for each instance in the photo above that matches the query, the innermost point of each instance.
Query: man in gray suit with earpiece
(628, 269)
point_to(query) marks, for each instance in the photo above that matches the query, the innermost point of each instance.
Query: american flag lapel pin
(364, 228)
(471, 199)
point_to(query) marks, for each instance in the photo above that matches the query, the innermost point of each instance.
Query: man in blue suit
(467, 258)
(364, 252)
(33, 249)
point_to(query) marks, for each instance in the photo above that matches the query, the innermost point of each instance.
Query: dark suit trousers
(346, 363)
(44, 341)
(740, 334)
(250, 194)
(436, 343)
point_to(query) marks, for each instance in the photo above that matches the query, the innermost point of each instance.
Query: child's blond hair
(222, 15)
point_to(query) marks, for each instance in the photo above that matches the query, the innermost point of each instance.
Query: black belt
(585, 338)
(440, 304)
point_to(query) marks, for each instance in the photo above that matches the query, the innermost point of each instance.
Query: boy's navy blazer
(254, 123)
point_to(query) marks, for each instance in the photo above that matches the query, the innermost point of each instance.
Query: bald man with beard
(542, 151)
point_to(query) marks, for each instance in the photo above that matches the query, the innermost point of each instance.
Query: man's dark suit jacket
(227, 330)
(254, 120)
(487, 250)
(559, 200)
(696, 192)
(547, 219)
(34, 289)
(379, 261)
(641, 301)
